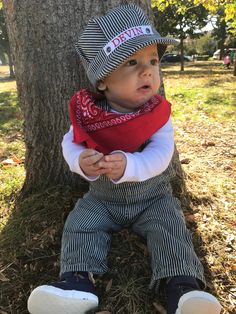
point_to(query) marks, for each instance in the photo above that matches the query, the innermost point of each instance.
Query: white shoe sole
(198, 302)
(51, 300)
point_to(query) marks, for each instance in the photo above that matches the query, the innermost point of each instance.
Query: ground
(203, 99)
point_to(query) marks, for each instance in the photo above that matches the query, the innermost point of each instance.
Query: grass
(203, 100)
(205, 93)
(11, 145)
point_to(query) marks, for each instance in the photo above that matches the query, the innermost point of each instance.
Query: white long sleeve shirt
(148, 163)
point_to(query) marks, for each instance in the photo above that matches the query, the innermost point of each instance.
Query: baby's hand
(113, 165)
(88, 162)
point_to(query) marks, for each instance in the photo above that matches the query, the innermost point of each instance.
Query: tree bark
(11, 66)
(42, 36)
(182, 54)
(235, 64)
(221, 44)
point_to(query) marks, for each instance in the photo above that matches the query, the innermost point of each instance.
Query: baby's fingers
(91, 157)
(114, 157)
(109, 164)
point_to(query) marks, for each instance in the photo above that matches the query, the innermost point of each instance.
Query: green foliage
(228, 5)
(171, 20)
(211, 5)
(205, 45)
(4, 41)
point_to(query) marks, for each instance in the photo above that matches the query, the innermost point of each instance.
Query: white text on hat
(127, 35)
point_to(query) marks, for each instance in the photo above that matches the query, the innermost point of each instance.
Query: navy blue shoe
(73, 294)
(184, 296)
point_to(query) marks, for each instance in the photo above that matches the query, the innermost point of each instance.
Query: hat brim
(124, 51)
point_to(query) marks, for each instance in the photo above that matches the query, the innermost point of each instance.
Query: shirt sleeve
(71, 153)
(153, 160)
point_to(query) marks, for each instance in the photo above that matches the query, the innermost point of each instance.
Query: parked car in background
(216, 54)
(171, 57)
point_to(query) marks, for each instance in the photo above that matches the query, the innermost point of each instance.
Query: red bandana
(107, 131)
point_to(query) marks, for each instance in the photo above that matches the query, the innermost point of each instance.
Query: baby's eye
(131, 62)
(154, 62)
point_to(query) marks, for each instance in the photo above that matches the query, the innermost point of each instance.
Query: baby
(122, 142)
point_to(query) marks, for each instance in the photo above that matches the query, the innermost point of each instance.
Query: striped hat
(107, 41)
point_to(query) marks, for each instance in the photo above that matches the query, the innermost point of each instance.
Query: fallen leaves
(3, 278)
(109, 285)
(13, 161)
(160, 309)
(185, 161)
(207, 143)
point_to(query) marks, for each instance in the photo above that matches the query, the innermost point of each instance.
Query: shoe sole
(198, 302)
(52, 300)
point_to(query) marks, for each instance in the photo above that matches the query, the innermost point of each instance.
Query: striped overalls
(152, 211)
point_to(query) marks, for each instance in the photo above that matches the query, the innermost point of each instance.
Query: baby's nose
(146, 70)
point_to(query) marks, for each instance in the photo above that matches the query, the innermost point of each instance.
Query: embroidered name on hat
(127, 35)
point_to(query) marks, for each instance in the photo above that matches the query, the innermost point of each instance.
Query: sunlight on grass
(204, 94)
(11, 144)
(7, 86)
(11, 179)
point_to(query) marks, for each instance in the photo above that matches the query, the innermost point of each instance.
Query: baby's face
(134, 82)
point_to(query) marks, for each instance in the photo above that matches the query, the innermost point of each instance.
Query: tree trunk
(182, 54)
(42, 36)
(235, 63)
(3, 58)
(221, 43)
(10, 64)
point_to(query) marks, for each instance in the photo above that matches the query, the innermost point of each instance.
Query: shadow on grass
(208, 64)
(196, 70)
(219, 99)
(30, 244)
(10, 113)
(193, 73)
(30, 250)
(201, 65)
(7, 79)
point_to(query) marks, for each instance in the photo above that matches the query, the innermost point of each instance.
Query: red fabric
(108, 131)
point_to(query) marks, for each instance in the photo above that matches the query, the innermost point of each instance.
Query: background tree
(169, 20)
(228, 7)
(225, 33)
(4, 43)
(204, 45)
(42, 35)
(211, 5)
(220, 31)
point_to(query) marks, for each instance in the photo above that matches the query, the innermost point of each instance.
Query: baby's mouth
(144, 87)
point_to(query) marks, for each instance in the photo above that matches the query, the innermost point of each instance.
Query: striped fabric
(121, 27)
(152, 211)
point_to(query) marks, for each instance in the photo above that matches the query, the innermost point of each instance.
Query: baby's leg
(85, 242)
(86, 237)
(172, 256)
(169, 241)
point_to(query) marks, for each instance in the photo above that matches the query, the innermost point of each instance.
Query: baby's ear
(101, 86)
